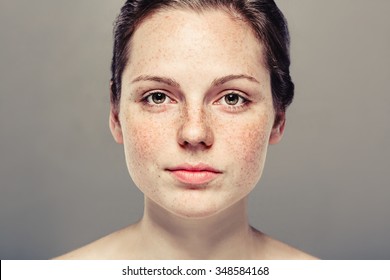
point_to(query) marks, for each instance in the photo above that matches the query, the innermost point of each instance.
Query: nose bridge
(194, 113)
(195, 125)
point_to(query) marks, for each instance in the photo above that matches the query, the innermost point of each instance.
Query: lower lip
(194, 177)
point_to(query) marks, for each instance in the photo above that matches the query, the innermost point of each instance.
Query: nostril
(193, 144)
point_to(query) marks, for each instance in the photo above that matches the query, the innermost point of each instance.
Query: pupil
(158, 97)
(231, 99)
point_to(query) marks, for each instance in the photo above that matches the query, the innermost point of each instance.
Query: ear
(278, 128)
(115, 125)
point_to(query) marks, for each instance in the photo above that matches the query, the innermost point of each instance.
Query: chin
(195, 203)
(197, 210)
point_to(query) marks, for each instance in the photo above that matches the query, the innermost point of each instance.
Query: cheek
(143, 143)
(249, 146)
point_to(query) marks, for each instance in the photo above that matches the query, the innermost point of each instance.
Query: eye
(232, 99)
(157, 98)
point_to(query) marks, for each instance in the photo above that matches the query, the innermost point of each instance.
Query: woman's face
(196, 113)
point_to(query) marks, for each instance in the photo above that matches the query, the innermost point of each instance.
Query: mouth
(198, 174)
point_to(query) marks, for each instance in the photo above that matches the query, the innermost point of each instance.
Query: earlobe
(278, 128)
(115, 126)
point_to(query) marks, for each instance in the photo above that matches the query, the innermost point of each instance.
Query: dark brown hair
(266, 20)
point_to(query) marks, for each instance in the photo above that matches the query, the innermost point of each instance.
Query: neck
(225, 235)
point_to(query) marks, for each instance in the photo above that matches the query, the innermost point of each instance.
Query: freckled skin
(194, 49)
(194, 124)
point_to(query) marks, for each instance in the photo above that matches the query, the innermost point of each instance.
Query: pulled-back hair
(266, 20)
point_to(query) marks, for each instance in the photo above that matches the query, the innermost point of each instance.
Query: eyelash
(242, 100)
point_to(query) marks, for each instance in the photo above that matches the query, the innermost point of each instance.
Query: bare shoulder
(106, 248)
(273, 249)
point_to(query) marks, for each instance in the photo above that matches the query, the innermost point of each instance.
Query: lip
(194, 174)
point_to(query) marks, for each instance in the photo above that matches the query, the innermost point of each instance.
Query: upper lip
(194, 168)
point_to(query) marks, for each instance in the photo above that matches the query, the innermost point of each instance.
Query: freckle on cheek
(250, 148)
(140, 142)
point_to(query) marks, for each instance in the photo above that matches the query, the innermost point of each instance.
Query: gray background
(64, 181)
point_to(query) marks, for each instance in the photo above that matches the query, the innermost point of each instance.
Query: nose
(195, 130)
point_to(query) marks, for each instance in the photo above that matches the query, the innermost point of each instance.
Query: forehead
(185, 39)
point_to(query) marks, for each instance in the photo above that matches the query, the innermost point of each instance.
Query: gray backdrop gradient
(64, 181)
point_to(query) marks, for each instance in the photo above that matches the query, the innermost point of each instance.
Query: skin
(194, 60)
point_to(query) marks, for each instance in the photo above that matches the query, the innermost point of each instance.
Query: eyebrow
(158, 79)
(172, 82)
(223, 80)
